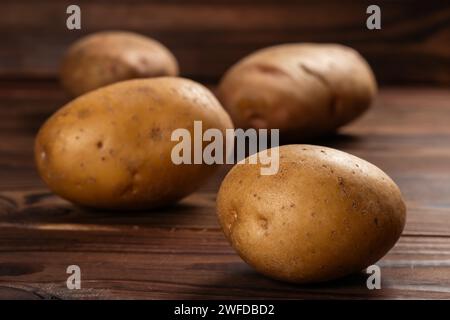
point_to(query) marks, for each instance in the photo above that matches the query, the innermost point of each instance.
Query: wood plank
(183, 264)
(41, 210)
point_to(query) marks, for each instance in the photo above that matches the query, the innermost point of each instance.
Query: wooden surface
(208, 36)
(180, 252)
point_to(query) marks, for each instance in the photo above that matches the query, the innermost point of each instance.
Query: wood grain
(180, 252)
(207, 37)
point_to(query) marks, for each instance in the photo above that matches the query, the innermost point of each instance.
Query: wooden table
(180, 253)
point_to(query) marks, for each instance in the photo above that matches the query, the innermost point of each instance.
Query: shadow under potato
(334, 140)
(41, 207)
(240, 281)
(175, 207)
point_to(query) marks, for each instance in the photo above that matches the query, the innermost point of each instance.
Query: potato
(107, 57)
(324, 215)
(111, 148)
(305, 90)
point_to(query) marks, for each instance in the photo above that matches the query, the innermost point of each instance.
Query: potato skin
(107, 57)
(305, 90)
(324, 215)
(111, 148)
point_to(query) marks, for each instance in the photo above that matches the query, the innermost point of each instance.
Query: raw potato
(111, 148)
(324, 215)
(305, 90)
(107, 57)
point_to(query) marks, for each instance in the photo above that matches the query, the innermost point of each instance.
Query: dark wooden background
(207, 36)
(180, 252)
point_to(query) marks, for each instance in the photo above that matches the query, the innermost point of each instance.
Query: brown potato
(111, 148)
(305, 90)
(324, 215)
(111, 56)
